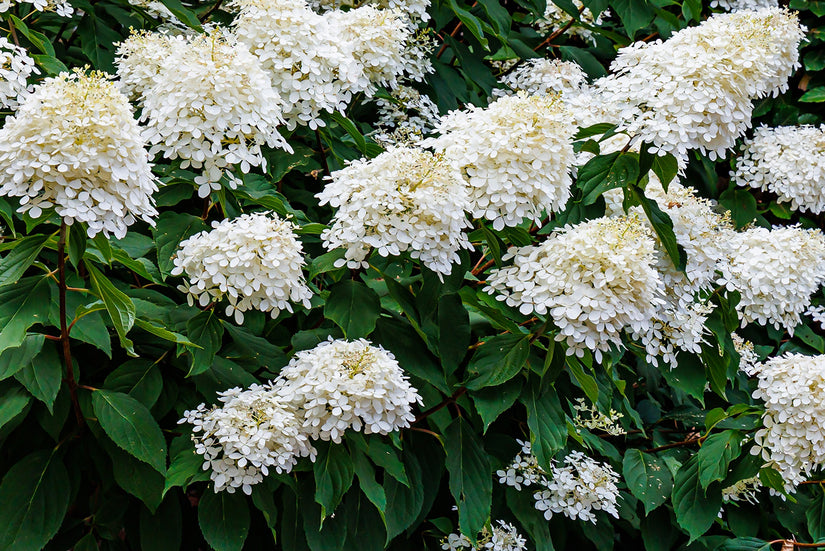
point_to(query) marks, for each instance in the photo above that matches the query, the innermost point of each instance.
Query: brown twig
(445, 402)
(13, 32)
(559, 32)
(486, 265)
(693, 438)
(64, 330)
(794, 544)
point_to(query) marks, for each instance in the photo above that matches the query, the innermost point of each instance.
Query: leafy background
(120, 473)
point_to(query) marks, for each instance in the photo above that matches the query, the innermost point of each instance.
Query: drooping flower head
(694, 90)
(15, 67)
(75, 145)
(594, 279)
(254, 261)
(775, 271)
(253, 431)
(788, 161)
(516, 153)
(405, 199)
(792, 387)
(209, 104)
(340, 385)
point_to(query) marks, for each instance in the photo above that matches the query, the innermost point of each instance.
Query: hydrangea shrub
(412, 274)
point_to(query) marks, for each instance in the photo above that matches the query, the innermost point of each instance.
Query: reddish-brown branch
(445, 402)
(486, 265)
(64, 330)
(558, 33)
(794, 544)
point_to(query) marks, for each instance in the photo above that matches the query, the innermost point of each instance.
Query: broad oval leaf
(224, 519)
(647, 478)
(130, 425)
(34, 498)
(471, 483)
(354, 307)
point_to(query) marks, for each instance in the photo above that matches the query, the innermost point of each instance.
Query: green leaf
(491, 402)
(136, 477)
(120, 307)
(164, 334)
(715, 455)
(170, 229)
(696, 508)
(647, 478)
(184, 469)
(13, 360)
(38, 39)
(205, 330)
(352, 130)
(130, 425)
(22, 304)
(546, 420)
(663, 226)
(454, 331)
(584, 380)
(354, 307)
(13, 401)
(34, 498)
(366, 480)
(471, 483)
(471, 22)
(498, 16)
(634, 14)
(257, 349)
(523, 507)
(97, 42)
(742, 206)
(385, 456)
(745, 544)
(43, 376)
(814, 95)
(333, 471)
(161, 531)
(405, 501)
(665, 167)
(140, 379)
(606, 172)
(224, 520)
(77, 243)
(185, 15)
(24, 253)
(498, 360)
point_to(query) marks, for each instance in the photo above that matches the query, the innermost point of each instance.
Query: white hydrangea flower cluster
(15, 68)
(776, 271)
(317, 62)
(738, 5)
(594, 279)
(138, 60)
(791, 441)
(555, 19)
(254, 431)
(524, 470)
(590, 418)
(544, 76)
(378, 39)
(340, 385)
(254, 260)
(694, 90)
(788, 161)
(209, 103)
(414, 9)
(320, 394)
(155, 9)
(75, 145)
(60, 7)
(702, 232)
(516, 154)
(405, 199)
(405, 119)
(504, 537)
(312, 70)
(582, 486)
(817, 314)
